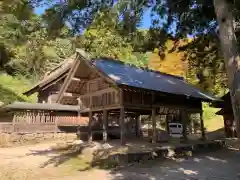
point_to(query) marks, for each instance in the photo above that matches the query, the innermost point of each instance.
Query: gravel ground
(222, 164)
(20, 163)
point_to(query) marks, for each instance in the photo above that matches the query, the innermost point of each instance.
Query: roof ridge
(61, 65)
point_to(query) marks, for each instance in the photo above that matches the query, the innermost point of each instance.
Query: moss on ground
(212, 121)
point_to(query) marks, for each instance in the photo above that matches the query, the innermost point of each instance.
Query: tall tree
(202, 17)
(230, 49)
(103, 39)
(25, 47)
(13, 17)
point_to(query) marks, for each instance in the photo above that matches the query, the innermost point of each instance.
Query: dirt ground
(34, 162)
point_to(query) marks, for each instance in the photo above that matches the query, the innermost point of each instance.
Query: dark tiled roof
(225, 103)
(146, 79)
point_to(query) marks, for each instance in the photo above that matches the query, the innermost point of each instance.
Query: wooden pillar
(184, 122)
(138, 125)
(123, 126)
(105, 125)
(90, 127)
(202, 126)
(192, 126)
(14, 120)
(167, 124)
(154, 129)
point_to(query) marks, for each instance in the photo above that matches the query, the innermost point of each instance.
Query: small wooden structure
(227, 113)
(24, 117)
(106, 87)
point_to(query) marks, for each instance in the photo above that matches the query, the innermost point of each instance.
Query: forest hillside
(33, 43)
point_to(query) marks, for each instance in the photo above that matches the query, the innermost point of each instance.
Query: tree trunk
(229, 45)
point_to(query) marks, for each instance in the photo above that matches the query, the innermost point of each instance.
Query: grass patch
(214, 124)
(83, 157)
(11, 89)
(78, 164)
(212, 121)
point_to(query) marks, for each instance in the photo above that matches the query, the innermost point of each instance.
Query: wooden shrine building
(227, 112)
(105, 88)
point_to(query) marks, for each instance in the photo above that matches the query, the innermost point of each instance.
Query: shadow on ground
(221, 164)
(215, 165)
(217, 134)
(59, 154)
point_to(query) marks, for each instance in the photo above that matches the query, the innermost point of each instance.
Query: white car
(175, 130)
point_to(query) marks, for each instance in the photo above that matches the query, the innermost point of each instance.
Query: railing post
(202, 126)
(122, 126)
(184, 122)
(56, 122)
(14, 121)
(90, 127)
(105, 125)
(154, 129)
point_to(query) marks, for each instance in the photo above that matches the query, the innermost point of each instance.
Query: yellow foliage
(156, 51)
(171, 64)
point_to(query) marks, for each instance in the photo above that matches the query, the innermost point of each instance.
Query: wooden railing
(35, 127)
(41, 121)
(101, 98)
(6, 127)
(37, 117)
(137, 97)
(72, 121)
(28, 128)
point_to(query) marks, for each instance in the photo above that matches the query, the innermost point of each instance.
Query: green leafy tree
(13, 17)
(204, 17)
(103, 39)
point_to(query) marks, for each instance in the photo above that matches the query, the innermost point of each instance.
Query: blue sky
(146, 22)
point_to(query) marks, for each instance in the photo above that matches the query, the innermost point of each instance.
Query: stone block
(4, 139)
(29, 137)
(48, 136)
(15, 138)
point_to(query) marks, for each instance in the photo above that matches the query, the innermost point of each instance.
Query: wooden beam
(110, 107)
(90, 126)
(167, 123)
(79, 104)
(184, 122)
(83, 79)
(137, 106)
(192, 126)
(67, 80)
(85, 57)
(105, 125)
(76, 79)
(122, 126)
(202, 126)
(71, 94)
(154, 129)
(153, 97)
(54, 82)
(99, 92)
(138, 125)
